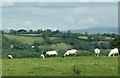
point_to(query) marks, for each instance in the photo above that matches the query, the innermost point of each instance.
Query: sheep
(33, 46)
(97, 52)
(70, 52)
(10, 57)
(51, 53)
(42, 56)
(11, 47)
(113, 52)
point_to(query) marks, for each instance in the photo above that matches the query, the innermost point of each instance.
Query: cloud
(68, 19)
(7, 4)
(61, 18)
(88, 21)
(27, 23)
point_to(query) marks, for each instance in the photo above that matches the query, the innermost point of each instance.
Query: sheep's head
(63, 56)
(9, 57)
(109, 54)
(44, 53)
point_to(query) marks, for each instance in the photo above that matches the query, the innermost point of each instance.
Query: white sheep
(51, 53)
(113, 52)
(42, 56)
(10, 57)
(70, 52)
(33, 46)
(11, 47)
(97, 52)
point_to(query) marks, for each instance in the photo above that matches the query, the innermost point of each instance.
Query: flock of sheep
(74, 52)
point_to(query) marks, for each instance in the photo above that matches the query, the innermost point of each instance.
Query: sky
(59, 15)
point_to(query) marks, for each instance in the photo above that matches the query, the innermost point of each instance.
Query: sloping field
(31, 35)
(22, 39)
(60, 46)
(69, 66)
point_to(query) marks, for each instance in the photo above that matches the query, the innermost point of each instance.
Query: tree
(45, 35)
(12, 31)
(116, 42)
(22, 31)
(86, 34)
(30, 31)
(36, 43)
(96, 45)
(104, 46)
(89, 38)
(39, 31)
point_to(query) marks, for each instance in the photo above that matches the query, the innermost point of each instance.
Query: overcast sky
(59, 15)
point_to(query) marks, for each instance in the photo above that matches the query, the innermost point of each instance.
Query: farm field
(69, 66)
(22, 39)
(59, 46)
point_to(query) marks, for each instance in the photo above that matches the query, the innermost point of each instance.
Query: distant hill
(96, 30)
(90, 30)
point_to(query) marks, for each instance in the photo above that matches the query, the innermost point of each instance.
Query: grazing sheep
(51, 53)
(97, 52)
(70, 52)
(42, 56)
(33, 46)
(113, 52)
(11, 47)
(10, 57)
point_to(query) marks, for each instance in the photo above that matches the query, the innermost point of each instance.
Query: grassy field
(22, 39)
(69, 66)
(32, 34)
(83, 37)
(60, 46)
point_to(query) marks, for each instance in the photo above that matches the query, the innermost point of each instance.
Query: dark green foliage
(104, 46)
(12, 31)
(22, 31)
(36, 43)
(30, 31)
(45, 35)
(116, 42)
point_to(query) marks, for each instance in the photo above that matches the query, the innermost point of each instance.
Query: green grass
(69, 66)
(83, 37)
(60, 46)
(31, 34)
(22, 39)
(108, 38)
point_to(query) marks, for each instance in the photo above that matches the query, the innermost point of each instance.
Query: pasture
(24, 40)
(69, 66)
(59, 46)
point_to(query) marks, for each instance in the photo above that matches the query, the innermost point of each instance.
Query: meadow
(57, 66)
(24, 39)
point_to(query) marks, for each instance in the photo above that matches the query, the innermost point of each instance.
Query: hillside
(24, 39)
(48, 40)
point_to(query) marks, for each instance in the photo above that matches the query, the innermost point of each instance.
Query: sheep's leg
(76, 54)
(47, 56)
(57, 55)
(97, 55)
(113, 55)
